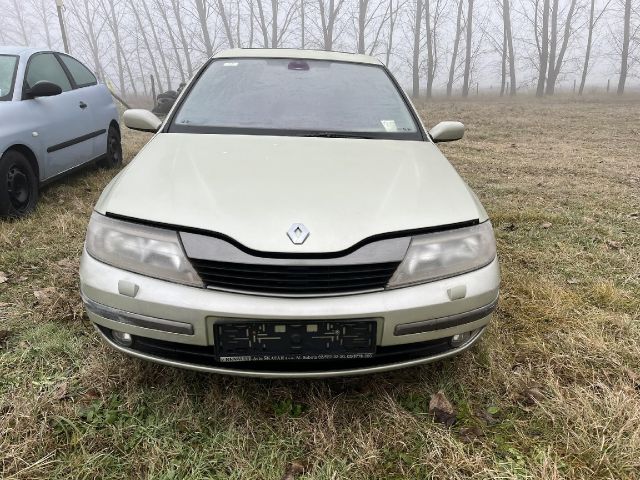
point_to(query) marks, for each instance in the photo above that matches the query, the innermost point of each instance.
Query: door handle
(83, 105)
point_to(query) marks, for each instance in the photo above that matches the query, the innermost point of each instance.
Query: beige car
(290, 218)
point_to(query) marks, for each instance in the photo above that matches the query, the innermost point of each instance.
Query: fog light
(460, 339)
(121, 338)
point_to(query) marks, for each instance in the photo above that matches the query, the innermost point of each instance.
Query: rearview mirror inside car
(447, 132)
(142, 120)
(44, 89)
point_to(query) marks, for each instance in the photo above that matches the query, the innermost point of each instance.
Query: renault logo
(298, 233)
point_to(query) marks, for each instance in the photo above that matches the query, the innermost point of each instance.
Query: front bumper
(414, 323)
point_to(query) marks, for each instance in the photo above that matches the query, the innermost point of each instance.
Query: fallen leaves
(613, 245)
(61, 391)
(442, 409)
(531, 395)
(45, 294)
(4, 336)
(3, 277)
(293, 470)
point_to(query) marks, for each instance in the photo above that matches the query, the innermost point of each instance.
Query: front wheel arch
(28, 153)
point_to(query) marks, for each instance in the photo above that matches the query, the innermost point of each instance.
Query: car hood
(253, 188)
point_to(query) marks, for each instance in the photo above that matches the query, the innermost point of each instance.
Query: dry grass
(558, 369)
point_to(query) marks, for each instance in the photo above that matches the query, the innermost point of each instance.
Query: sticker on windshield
(230, 64)
(389, 125)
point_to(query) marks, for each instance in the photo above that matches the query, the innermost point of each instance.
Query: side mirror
(142, 120)
(43, 89)
(447, 132)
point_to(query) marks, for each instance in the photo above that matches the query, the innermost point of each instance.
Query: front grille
(294, 279)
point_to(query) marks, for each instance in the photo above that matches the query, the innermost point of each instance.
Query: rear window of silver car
(8, 64)
(295, 96)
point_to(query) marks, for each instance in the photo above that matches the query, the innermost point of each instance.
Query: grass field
(552, 391)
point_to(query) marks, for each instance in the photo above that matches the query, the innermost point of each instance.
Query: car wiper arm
(335, 135)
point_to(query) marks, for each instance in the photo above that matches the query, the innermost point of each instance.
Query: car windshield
(8, 65)
(296, 97)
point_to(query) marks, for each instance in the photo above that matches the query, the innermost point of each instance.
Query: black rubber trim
(258, 253)
(74, 141)
(445, 322)
(205, 355)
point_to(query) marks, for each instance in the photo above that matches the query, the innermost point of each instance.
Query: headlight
(444, 254)
(146, 250)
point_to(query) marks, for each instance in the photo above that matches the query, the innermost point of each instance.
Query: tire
(19, 186)
(113, 156)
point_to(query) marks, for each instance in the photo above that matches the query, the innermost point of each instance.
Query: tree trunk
(202, 17)
(454, 55)
(225, 22)
(416, 50)
(183, 39)
(392, 21)
(174, 45)
(625, 47)
(553, 44)
(362, 20)
(113, 23)
(302, 23)
(544, 49)
(563, 48)
(263, 25)
(587, 54)
(274, 23)
(159, 48)
(467, 60)
(148, 47)
(503, 70)
(431, 70)
(506, 17)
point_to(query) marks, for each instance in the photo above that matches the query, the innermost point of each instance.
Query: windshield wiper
(334, 135)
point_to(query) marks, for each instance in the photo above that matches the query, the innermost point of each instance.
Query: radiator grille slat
(294, 279)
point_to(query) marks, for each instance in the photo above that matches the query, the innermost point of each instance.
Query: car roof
(19, 50)
(297, 53)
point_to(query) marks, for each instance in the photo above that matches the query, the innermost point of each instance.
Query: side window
(81, 74)
(45, 66)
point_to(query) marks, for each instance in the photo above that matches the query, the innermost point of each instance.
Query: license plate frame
(291, 340)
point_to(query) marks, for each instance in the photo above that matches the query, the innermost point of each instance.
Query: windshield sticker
(389, 125)
(230, 64)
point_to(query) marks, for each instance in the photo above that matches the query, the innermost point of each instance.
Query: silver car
(54, 117)
(291, 217)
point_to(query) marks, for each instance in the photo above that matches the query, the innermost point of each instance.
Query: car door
(95, 96)
(64, 125)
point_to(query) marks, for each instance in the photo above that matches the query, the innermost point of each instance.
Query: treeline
(432, 45)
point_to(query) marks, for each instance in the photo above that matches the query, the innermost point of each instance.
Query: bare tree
(113, 22)
(543, 51)
(468, 52)
(454, 54)
(329, 11)
(393, 16)
(159, 49)
(624, 62)
(202, 8)
(163, 13)
(145, 39)
(508, 35)
(20, 20)
(555, 64)
(40, 8)
(592, 24)
(175, 5)
(416, 48)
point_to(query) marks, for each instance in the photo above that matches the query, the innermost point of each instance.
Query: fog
(434, 47)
